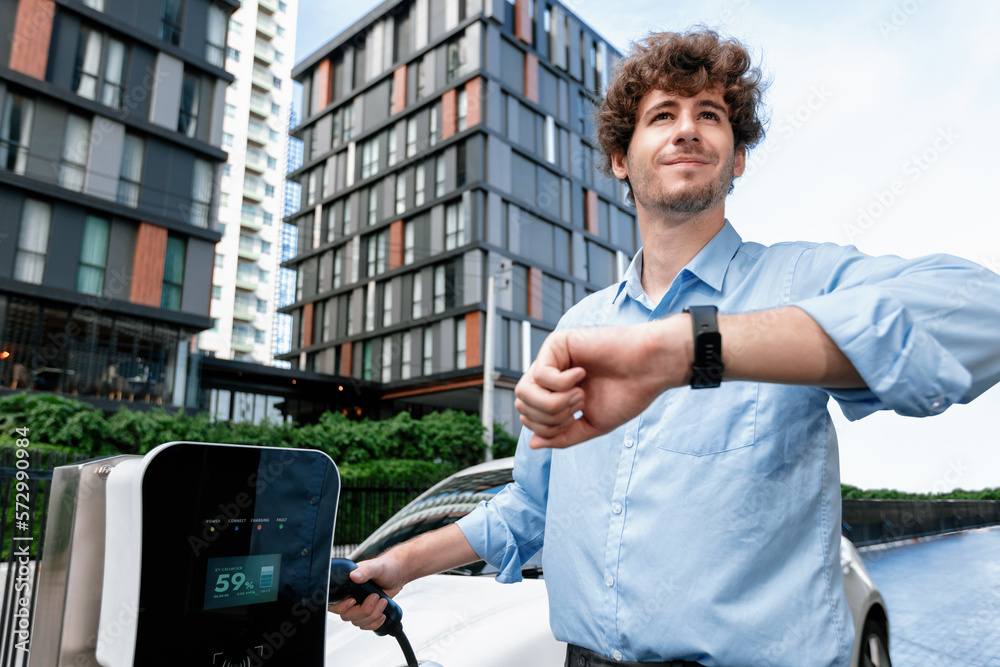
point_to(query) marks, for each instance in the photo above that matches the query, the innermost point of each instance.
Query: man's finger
(554, 379)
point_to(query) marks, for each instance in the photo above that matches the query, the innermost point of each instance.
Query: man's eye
(662, 115)
(710, 115)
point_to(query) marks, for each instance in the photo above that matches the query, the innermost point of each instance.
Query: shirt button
(936, 404)
(629, 442)
(617, 655)
(610, 581)
(616, 508)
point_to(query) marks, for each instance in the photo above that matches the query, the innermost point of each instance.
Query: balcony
(251, 222)
(244, 345)
(266, 26)
(270, 6)
(247, 280)
(258, 133)
(262, 78)
(242, 311)
(248, 251)
(260, 105)
(256, 160)
(263, 51)
(253, 188)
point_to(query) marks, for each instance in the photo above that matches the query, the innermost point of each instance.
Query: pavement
(943, 596)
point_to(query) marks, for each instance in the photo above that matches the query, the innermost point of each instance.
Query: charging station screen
(242, 580)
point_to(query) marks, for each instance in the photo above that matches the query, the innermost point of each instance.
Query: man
(699, 521)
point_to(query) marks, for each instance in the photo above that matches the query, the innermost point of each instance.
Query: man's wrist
(672, 340)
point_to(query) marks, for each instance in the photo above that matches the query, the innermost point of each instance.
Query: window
(455, 59)
(386, 359)
(454, 226)
(236, 27)
(338, 267)
(400, 193)
(279, 57)
(15, 132)
(435, 113)
(33, 242)
(220, 261)
(348, 122)
(311, 185)
(408, 242)
(439, 177)
(268, 190)
(171, 21)
(276, 82)
(272, 136)
(173, 274)
(130, 177)
(369, 158)
(216, 292)
(93, 256)
(215, 38)
(460, 173)
(227, 140)
(419, 185)
(459, 342)
(418, 296)
(265, 248)
(201, 193)
(88, 63)
(74, 154)
(366, 361)
(370, 307)
(347, 217)
(115, 67)
(95, 4)
(421, 79)
(261, 306)
(439, 289)
(263, 276)
(372, 205)
(259, 336)
(187, 120)
(230, 110)
(407, 355)
(377, 245)
(547, 19)
(411, 137)
(387, 304)
(463, 109)
(550, 139)
(272, 162)
(428, 365)
(267, 218)
(275, 108)
(282, 7)
(393, 158)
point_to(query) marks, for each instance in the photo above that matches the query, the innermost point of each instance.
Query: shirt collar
(709, 265)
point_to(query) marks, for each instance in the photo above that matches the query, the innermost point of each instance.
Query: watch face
(236, 549)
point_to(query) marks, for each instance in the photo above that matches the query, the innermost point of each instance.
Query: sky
(883, 134)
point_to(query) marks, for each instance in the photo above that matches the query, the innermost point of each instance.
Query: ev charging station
(194, 554)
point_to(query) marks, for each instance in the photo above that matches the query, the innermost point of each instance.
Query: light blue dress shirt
(708, 527)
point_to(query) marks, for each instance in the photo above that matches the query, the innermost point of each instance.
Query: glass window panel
(173, 274)
(93, 255)
(74, 154)
(88, 63)
(15, 131)
(33, 242)
(113, 87)
(133, 155)
(187, 120)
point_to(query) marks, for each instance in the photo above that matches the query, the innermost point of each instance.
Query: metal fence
(876, 521)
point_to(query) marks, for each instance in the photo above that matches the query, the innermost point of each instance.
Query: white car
(463, 619)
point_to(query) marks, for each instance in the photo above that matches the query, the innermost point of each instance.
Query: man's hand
(387, 572)
(611, 374)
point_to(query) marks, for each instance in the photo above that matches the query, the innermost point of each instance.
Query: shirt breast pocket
(703, 422)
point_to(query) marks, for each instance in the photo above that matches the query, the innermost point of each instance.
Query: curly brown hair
(685, 64)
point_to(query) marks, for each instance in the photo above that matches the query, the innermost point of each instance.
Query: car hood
(457, 621)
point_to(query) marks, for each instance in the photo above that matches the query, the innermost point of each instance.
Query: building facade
(111, 127)
(446, 141)
(261, 45)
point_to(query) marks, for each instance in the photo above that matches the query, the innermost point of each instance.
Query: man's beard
(690, 199)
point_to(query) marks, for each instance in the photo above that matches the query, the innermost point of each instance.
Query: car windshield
(439, 506)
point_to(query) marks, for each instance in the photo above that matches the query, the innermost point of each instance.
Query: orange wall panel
(522, 21)
(399, 89)
(307, 324)
(531, 77)
(591, 212)
(29, 48)
(535, 293)
(473, 100)
(449, 113)
(324, 73)
(473, 336)
(150, 255)
(346, 359)
(396, 245)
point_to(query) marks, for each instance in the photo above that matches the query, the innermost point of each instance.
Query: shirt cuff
(905, 368)
(492, 541)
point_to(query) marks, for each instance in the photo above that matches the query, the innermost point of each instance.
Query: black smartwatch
(707, 367)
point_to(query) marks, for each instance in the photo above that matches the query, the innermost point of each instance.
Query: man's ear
(619, 166)
(740, 161)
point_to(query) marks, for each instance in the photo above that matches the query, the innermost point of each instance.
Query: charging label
(236, 581)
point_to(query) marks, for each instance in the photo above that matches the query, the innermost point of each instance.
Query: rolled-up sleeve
(922, 333)
(509, 529)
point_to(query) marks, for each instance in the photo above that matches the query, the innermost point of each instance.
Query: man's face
(681, 158)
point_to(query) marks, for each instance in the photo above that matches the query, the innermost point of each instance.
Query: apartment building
(259, 55)
(111, 128)
(446, 141)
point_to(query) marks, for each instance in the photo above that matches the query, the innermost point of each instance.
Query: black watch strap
(707, 368)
